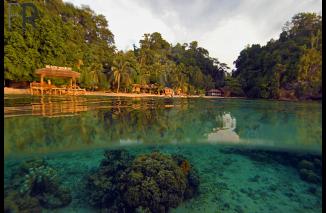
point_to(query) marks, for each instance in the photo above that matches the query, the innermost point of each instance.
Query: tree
(63, 34)
(69, 36)
(293, 62)
(122, 69)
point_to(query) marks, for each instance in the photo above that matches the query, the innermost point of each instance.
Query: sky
(223, 27)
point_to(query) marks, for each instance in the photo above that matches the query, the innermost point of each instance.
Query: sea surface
(248, 153)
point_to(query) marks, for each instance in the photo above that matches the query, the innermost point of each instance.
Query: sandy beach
(14, 91)
(101, 93)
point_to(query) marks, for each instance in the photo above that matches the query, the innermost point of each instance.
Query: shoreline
(14, 91)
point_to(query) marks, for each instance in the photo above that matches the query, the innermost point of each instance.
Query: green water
(72, 132)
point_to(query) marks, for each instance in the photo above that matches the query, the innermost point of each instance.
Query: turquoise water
(247, 152)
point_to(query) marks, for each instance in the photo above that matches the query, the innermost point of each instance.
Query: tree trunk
(118, 84)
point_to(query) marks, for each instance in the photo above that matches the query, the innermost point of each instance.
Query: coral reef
(191, 174)
(147, 183)
(102, 184)
(310, 170)
(15, 202)
(37, 183)
(155, 182)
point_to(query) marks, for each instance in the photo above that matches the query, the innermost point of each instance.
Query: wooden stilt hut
(56, 72)
(145, 88)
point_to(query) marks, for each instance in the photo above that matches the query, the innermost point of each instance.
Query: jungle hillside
(77, 37)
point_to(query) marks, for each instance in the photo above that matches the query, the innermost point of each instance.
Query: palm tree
(96, 76)
(122, 69)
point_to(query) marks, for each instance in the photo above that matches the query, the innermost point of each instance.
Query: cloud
(226, 41)
(193, 14)
(223, 27)
(127, 20)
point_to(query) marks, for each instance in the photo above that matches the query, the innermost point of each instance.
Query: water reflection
(126, 142)
(41, 126)
(48, 106)
(54, 108)
(225, 133)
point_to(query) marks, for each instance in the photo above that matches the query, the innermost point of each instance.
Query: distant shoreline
(14, 91)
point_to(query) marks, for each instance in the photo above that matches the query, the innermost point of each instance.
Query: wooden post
(74, 103)
(50, 106)
(30, 87)
(75, 86)
(43, 106)
(72, 86)
(71, 82)
(42, 84)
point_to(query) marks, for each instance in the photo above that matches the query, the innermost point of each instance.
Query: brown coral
(185, 167)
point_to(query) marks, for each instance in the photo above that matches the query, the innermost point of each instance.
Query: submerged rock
(38, 183)
(15, 202)
(304, 164)
(154, 181)
(310, 170)
(309, 176)
(57, 197)
(148, 183)
(102, 185)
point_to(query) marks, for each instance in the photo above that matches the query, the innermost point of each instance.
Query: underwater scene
(120, 154)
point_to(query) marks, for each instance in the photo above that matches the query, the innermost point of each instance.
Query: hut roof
(214, 90)
(168, 88)
(53, 71)
(145, 86)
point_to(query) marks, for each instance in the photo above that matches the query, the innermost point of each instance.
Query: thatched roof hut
(57, 72)
(144, 87)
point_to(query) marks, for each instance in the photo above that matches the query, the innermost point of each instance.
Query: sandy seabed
(229, 182)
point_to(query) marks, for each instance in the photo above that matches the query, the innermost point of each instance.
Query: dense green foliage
(293, 63)
(65, 35)
(186, 67)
